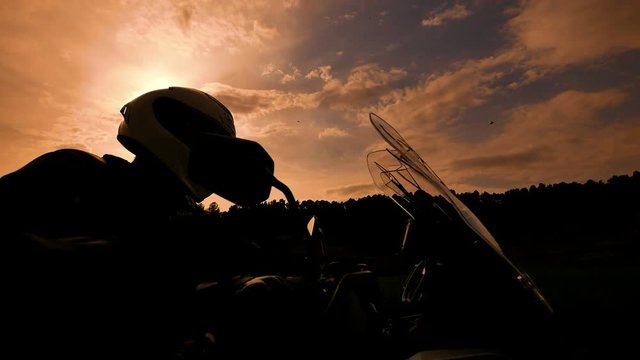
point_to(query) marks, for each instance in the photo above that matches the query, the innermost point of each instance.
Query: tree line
(542, 218)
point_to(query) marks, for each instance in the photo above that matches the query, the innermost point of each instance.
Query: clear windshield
(402, 174)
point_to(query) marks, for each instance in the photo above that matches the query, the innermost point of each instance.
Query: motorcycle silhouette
(459, 296)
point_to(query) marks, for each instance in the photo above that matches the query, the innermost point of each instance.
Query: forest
(544, 220)
(580, 242)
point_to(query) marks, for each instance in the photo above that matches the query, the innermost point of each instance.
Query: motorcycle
(457, 296)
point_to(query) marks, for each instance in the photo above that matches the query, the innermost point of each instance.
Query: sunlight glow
(148, 79)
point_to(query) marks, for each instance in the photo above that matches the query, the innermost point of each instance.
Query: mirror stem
(286, 191)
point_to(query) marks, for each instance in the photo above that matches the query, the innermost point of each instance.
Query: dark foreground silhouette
(580, 242)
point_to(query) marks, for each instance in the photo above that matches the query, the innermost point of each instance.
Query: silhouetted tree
(539, 219)
(213, 209)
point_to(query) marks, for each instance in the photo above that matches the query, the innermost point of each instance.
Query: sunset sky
(493, 94)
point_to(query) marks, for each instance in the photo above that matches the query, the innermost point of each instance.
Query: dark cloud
(514, 160)
(184, 16)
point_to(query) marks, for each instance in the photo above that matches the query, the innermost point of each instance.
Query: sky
(493, 94)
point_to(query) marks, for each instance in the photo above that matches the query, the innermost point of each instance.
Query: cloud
(270, 69)
(262, 131)
(195, 27)
(539, 49)
(568, 116)
(545, 141)
(68, 68)
(103, 131)
(557, 33)
(369, 76)
(287, 78)
(18, 147)
(456, 12)
(66, 128)
(332, 132)
(343, 18)
(381, 16)
(559, 139)
(422, 112)
(250, 102)
(184, 16)
(442, 98)
(365, 86)
(349, 16)
(352, 191)
(264, 32)
(321, 72)
(393, 46)
(566, 137)
(503, 161)
(42, 48)
(290, 4)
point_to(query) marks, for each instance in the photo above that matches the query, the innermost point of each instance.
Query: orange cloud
(193, 26)
(365, 86)
(370, 76)
(560, 139)
(456, 12)
(251, 103)
(340, 19)
(321, 72)
(68, 67)
(503, 161)
(557, 33)
(352, 191)
(288, 4)
(442, 97)
(270, 69)
(332, 132)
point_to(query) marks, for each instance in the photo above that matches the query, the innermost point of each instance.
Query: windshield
(402, 172)
(403, 175)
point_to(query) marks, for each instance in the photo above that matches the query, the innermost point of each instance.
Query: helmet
(190, 132)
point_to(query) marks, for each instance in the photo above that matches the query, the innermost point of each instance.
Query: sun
(148, 79)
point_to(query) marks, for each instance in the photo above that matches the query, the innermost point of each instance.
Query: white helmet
(169, 123)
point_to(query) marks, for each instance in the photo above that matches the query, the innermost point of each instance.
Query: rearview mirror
(239, 170)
